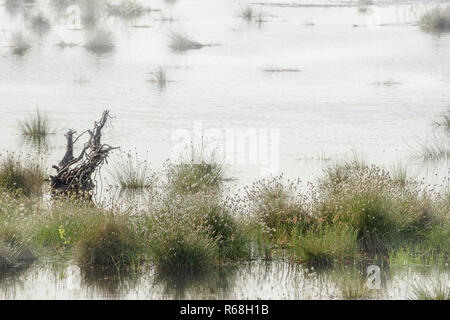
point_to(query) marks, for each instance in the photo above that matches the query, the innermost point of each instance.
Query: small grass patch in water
(37, 126)
(159, 77)
(131, 173)
(18, 175)
(112, 244)
(19, 43)
(100, 41)
(40, 23)
(436, 290)
(198, 172)
(279, 208)
(352, 284)
(436, 19)
(326, 247)
(179, 42)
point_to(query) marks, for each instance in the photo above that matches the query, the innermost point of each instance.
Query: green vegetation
(195, 176)
(335, 244)
(112, 244)
(131, 173)
(179, 42)
(19, 43)
(99, 41)
(352, 284)
(355, 213)
(436, 19)
(438, 290)
(36, 127)
(21, 176)
(160, 78)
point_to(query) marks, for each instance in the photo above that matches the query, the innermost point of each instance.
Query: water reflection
(253, 280)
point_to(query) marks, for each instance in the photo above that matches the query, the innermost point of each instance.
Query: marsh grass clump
(179, 43)
(40, 23)
(61, 228)
(178, 242)
(224, 228)
(195, 174)
(436, 19)
(247, 13)
(112, 244)
(195, 232)
(100, 41)
(126, 9)
(352, 284)
(19, 43)
(435, 290)
(279, 207)
(444, 121)
(14, 256)
(383, 211)
(131, 173)
(18, 175)
(436, 146)
(36, 127)
(160, 78)
(325, 247)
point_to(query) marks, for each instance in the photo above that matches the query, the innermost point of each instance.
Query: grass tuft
(131, 173)
(436, 19)
(179, 42)
(111, 245)
(17, 175)
(100, 41)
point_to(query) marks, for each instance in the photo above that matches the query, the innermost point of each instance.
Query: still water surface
(329, 79)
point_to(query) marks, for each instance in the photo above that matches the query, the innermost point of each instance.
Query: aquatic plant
(198, 172)
(23, 176)
(178, 243)
(131, 173)
(352, 284)
(40, 23)
(436, 290)
(160, 78)
(14, 256)
(126, 9)
(325, 247)
(444, 121)
(381, 210)
(112, 244)
(179, 42)
(19, 43)
(100, 41)
(247, 13)
(278, 206)
(91, 11)
(436, 19)
(36, 126)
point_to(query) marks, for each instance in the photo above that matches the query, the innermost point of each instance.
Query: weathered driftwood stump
(74, 175)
